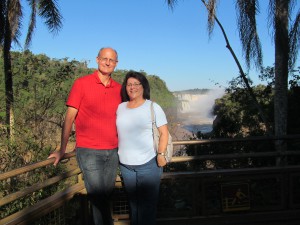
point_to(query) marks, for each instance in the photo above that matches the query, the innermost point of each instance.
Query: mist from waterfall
(198, 116)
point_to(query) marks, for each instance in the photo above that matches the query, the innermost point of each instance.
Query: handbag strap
(152, 114)
(154, 127)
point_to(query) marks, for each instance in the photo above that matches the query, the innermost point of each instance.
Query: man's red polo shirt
(95, 122)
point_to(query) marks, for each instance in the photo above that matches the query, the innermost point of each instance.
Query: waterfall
(195, 110)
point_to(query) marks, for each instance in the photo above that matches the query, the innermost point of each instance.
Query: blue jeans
(142, 186)
(99, 168)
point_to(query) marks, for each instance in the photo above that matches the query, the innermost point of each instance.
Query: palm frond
(271, 17)
(171, 3)
(32, 23)
(2, 21)
(15, 16)
(292, 5)
(294, 38)
(49, 11)
(246, 14)
(211, 7)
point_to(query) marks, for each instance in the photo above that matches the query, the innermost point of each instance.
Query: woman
(140, 164)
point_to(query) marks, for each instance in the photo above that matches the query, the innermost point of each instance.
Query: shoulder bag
(169, 152)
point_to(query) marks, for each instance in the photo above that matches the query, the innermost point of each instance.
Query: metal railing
(194, 187)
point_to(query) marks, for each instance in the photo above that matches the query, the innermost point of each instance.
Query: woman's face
(134, 89)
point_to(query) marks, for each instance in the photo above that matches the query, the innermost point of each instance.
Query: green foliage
(237, 116)
(160, 92)
(15, 158)
(295, 81)
(41, 87)
(119, 75)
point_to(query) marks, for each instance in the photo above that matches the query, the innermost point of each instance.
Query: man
(92, 105)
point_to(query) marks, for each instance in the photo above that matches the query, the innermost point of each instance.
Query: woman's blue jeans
(99, 168)
(142, 186)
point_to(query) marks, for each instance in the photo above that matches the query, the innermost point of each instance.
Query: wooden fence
(201, 187)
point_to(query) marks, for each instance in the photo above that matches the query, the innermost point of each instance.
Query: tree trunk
(281, 69)
(9, 96)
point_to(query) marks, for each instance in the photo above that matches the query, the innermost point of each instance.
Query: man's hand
(66, 130)
(57, 155)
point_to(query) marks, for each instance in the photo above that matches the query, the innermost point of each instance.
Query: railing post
(280, 147)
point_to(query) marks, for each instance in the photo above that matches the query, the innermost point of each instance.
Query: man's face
(107, 61)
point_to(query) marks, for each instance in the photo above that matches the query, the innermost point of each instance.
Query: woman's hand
(162, 145)
(161, 160)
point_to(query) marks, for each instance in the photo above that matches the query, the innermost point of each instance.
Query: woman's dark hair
(142, 79)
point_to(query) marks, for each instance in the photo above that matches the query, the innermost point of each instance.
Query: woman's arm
(162, 146)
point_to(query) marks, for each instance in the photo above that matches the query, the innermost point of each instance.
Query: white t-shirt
(135, 132)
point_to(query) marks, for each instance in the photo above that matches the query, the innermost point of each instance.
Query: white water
(199, 115)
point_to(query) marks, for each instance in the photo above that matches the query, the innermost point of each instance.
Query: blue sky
(149, 36)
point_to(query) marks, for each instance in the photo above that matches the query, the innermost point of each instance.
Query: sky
(150, 37)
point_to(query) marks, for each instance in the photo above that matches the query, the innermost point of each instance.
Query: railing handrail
(43, 207)
(38, 186)
(221, 140)
(33, 166)
(28, 168)
(273, 169)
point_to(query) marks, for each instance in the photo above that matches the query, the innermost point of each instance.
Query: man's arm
(65, 134)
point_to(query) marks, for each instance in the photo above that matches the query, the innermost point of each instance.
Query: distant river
(194, 128)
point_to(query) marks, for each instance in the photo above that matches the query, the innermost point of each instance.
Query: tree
(286, 40)
(235, 117)
(10, 31)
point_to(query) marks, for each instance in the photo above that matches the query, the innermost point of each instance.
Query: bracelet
(161, 153)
